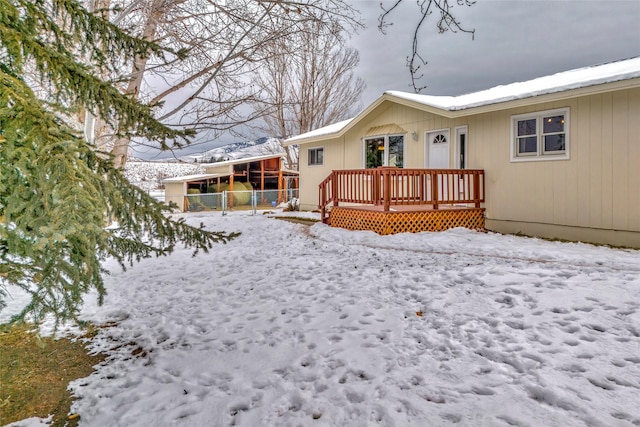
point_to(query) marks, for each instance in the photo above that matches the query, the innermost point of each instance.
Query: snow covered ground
(293, 325)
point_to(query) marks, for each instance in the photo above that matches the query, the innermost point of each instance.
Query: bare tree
(215, 51)
(308, 82)
(446, 22)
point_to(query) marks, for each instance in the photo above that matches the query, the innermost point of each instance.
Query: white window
(540, 136)
(315, 156)
(384, 151)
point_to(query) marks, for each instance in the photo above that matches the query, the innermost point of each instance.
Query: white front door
(438, 158)
(438, 149)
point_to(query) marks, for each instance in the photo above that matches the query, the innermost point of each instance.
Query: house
(266, 174)
(559, 155)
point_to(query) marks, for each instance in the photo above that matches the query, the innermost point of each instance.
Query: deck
(394, 200)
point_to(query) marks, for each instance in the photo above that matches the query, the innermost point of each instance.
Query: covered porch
(390, 200)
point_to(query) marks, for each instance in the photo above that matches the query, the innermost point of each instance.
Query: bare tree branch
(219, 49)
(446, 22)
(308, 83)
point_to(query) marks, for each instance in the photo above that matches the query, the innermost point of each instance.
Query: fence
(238, 200)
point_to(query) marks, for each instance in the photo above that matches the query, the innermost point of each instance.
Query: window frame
(385, 160)
(540, 154)
(316, 150)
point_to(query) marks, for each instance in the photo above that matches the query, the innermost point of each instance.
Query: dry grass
(35, 373)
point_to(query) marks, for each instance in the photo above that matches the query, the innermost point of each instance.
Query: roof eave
(243, 160)
(342, 131)
(455, 112)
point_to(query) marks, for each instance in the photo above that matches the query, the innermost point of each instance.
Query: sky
(514, 41)
(291, 325)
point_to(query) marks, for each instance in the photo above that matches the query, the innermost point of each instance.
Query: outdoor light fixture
(414, 135)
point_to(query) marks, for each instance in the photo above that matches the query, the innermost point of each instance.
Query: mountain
(149, 175)
(236, 150)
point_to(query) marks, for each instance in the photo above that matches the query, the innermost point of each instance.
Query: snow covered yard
(292, 325)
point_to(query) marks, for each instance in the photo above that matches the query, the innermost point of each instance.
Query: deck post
(375, 187)
(434, 187)
(476, 189)
(386, 186)
(323, 201)
(334, 188)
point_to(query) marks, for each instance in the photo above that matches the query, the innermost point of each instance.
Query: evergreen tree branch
(56, 192)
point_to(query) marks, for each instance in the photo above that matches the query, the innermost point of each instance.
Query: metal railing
(390, 186)
(253, 200)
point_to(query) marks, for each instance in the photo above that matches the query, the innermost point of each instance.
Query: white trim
(540, 155)
(319, 147)
(427, 144)
(457, 131)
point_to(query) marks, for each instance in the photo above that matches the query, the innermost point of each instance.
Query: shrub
(241, 192)
(195, 203)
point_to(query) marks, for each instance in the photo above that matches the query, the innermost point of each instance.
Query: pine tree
(56, 191)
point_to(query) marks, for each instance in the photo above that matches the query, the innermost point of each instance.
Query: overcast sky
(515, 40)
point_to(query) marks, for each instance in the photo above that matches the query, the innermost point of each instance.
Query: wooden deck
(393, 200)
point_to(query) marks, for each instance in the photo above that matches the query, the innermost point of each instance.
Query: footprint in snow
(602, 383)
(482, 391)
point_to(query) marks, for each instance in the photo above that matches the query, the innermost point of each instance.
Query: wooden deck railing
(390, 186)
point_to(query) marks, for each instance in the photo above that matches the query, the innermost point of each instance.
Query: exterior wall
(347, 152)
(174, 192)
(592, 196)
(219, 169)
(314, 175)
(411, 120)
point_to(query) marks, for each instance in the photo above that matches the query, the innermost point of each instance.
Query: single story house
(262, 173)
(558, 154)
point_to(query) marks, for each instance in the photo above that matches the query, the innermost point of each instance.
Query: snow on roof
(199, 177)
(244, 160)
(336, 127)
(573, 79)
(559, 82)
